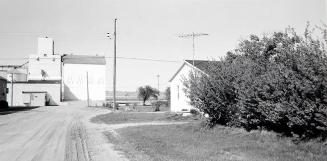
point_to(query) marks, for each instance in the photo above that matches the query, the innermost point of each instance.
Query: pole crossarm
(193, 35)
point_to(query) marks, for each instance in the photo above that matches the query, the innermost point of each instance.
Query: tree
(146, 92)
(167, 95)
(275, 82)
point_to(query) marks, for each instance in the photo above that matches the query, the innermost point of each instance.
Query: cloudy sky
(146, 29)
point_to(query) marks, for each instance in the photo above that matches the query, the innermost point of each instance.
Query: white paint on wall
(44, 67)
(179, 100)
(52, 91)
(75, 82)
(45, 46)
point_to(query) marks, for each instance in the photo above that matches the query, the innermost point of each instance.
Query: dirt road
(57, 133)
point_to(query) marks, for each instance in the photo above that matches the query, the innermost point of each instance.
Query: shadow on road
(15, 109)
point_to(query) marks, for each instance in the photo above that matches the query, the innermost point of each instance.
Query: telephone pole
(193, 35)
(114, 69)
(158, 82)
(87, 89)
(114, 81)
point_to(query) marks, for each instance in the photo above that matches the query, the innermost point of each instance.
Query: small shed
(34, 98)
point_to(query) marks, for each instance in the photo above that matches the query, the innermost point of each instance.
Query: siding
(179, 100)
(52, 90)
(74, 76)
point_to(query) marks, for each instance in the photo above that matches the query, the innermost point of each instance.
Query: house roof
(84, 59)
(199, 65)
(202, 65)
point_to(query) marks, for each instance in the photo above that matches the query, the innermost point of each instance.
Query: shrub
(194, 111)
(156, 105)
(276, 82)
(3, 104)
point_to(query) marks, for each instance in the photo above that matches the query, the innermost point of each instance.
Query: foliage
(145, 93)
(156, 104)
(194, 111)
(277, 82)
(167, 95)
(3, 104)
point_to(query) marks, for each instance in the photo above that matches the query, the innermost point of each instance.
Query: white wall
(179, 100)
(53, 92)
(74, 80)
(45, 46)
(51, 64)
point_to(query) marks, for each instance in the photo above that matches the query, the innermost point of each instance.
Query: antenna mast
(193, 35)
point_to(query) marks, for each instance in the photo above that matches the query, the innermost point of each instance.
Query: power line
(126, 58)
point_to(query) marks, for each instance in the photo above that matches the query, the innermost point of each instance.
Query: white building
(52, 78)
(179, 100)
(43, 75)
(84, 74)
(45, 65)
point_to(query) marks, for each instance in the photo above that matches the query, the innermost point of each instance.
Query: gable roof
(84, 59)
(202, 65)
(199, 65)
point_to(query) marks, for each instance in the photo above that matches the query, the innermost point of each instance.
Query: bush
(277, 82)
(156, 105)
(3, 104)
(194, 111)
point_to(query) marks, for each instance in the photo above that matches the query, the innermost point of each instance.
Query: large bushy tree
(276, 82)
(146, 92)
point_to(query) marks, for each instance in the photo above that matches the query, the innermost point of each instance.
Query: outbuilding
(179, 100)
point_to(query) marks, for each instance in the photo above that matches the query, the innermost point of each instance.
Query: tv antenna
(193, 35)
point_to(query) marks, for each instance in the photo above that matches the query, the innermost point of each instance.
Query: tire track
(76, 143)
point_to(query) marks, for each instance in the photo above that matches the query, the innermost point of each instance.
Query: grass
(191, 142)
(129, 117)
(140, 108)
(188, 142)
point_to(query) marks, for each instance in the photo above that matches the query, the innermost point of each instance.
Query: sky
(146, 29)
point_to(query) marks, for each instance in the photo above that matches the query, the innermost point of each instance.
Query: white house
(179, 100)
(84, 74)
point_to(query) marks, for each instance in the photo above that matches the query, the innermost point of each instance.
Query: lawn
(191, 142)
(131, 117)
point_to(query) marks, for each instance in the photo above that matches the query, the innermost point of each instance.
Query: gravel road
(56, 133)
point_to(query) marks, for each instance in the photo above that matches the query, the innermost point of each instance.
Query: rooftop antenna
(193, 35)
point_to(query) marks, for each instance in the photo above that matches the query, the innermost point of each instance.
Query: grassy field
(131, 117)
(191, 142)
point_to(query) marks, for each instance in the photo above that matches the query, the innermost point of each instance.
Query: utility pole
(114, 81)
(12, 89)
(87, 89)
(158, 82)
(193, 35)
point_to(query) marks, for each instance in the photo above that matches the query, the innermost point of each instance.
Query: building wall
(179, 100)
(49, 65)
(45, 46)
(52, 90)
(75, 82)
